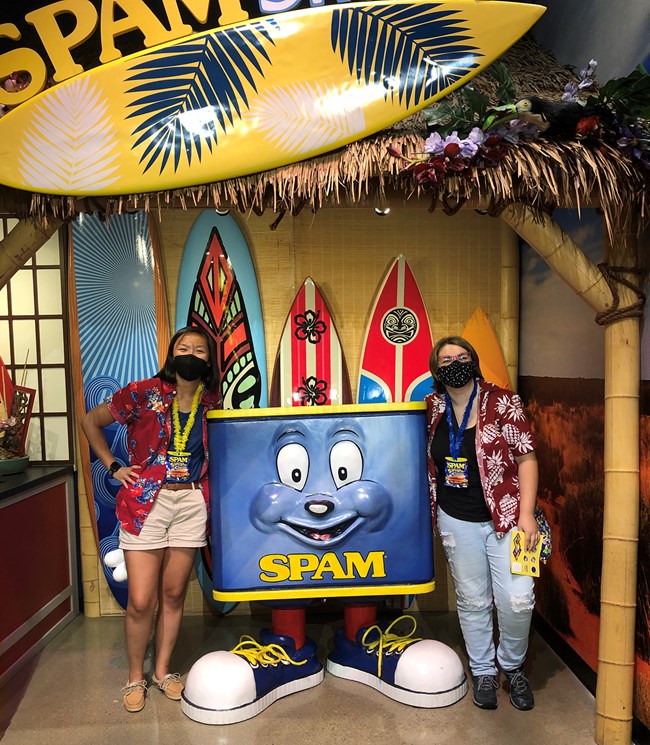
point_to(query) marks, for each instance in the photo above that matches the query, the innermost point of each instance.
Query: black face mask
(456, 375)
(189, 366)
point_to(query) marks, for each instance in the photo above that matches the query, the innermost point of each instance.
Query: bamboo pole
(89, 554)
(559, 251)
(616, 655)
(614, 691)
(22, 242)
(509, 326)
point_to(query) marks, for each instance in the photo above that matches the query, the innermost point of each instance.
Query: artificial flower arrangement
(16, 402)
(13, 431)
(467, 134)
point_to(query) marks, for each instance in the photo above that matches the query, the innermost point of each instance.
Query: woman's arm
(528, 476)
(92, 425)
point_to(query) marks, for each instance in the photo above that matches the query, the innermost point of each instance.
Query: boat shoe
(170, 685)
(135, 695)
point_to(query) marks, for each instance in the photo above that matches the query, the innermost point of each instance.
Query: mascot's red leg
(358, 616)
(289, 622)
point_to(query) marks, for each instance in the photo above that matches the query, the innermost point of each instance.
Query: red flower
(452, 149)
(588, 125)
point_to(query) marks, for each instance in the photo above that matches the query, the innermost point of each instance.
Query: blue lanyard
(455, 441)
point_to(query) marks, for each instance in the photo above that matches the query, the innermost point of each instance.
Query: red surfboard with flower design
(310, 368)
(395, 358)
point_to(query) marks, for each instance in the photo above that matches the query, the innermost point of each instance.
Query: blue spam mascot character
(311, 503)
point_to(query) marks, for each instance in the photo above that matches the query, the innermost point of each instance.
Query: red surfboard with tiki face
(310, 368)
(395, 358)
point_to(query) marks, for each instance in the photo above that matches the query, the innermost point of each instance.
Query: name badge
(456, 473)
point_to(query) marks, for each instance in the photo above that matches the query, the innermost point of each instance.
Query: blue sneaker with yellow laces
(227, 687)
(414, 671)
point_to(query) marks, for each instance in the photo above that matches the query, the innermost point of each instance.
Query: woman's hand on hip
(127, 475)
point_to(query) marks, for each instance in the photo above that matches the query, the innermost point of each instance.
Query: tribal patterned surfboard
(119, 332)
(217, 290)
(310, 368)
(395, 357)
(251, 96)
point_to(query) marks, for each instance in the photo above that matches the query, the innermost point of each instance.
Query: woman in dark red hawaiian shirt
(163, 501)
(483, 485)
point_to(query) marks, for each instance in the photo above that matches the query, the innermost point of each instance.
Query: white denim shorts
(178, 519)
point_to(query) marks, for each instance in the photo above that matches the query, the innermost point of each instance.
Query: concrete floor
(70, 695)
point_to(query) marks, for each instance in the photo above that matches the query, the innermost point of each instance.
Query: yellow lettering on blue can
(360, 567)
(301, 563)
(330, 563)
(273, 568)
(305, 567)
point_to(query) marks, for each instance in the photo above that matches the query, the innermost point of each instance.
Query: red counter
(38, 567)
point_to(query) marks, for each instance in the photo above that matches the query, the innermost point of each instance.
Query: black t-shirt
(463, 504)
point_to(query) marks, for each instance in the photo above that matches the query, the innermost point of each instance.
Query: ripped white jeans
(480, 566)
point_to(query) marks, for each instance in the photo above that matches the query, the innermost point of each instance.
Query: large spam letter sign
(86, 20)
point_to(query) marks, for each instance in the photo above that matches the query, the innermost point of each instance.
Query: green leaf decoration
(187, 93)
(506, 90)
(628, 98)
(414, 51)
(459, 112)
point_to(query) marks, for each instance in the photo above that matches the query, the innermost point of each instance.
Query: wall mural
(562, 382)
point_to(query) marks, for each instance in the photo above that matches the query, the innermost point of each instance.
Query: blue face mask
(456, 375)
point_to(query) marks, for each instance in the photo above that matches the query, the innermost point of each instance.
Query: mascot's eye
(293, 465)
(346, 463)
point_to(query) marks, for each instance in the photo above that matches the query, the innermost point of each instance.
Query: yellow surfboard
(252, 96)
(480, 334)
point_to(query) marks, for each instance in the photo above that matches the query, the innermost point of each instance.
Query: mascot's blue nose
(319, 507)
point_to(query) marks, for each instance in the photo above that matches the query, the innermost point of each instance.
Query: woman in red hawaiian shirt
(163, 501)
(483, 484)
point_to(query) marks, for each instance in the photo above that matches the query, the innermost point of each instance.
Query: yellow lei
(181, 437)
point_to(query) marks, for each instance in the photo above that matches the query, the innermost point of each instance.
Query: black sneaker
(485, 691)
(521, 695)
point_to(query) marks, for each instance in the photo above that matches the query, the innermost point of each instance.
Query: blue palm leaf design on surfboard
(191, 91)
(185, 91)
(416, 51)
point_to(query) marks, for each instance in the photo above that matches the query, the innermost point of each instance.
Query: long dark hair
(211, 376)
(457, 341)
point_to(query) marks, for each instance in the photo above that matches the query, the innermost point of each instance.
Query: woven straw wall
(347, 251)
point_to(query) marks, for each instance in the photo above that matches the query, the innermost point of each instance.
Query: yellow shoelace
(388, 642)
(259, 654)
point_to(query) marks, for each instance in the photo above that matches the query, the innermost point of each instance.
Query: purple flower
(452, 139)
(469, 146)
(634, 141)
(516, 130)
(570, 92)
(434, 144)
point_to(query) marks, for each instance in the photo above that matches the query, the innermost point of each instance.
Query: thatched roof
(541, 174)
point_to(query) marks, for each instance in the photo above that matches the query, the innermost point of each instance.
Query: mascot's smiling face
(320, 495)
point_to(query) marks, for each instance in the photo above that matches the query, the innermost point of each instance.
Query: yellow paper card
(522, 561)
